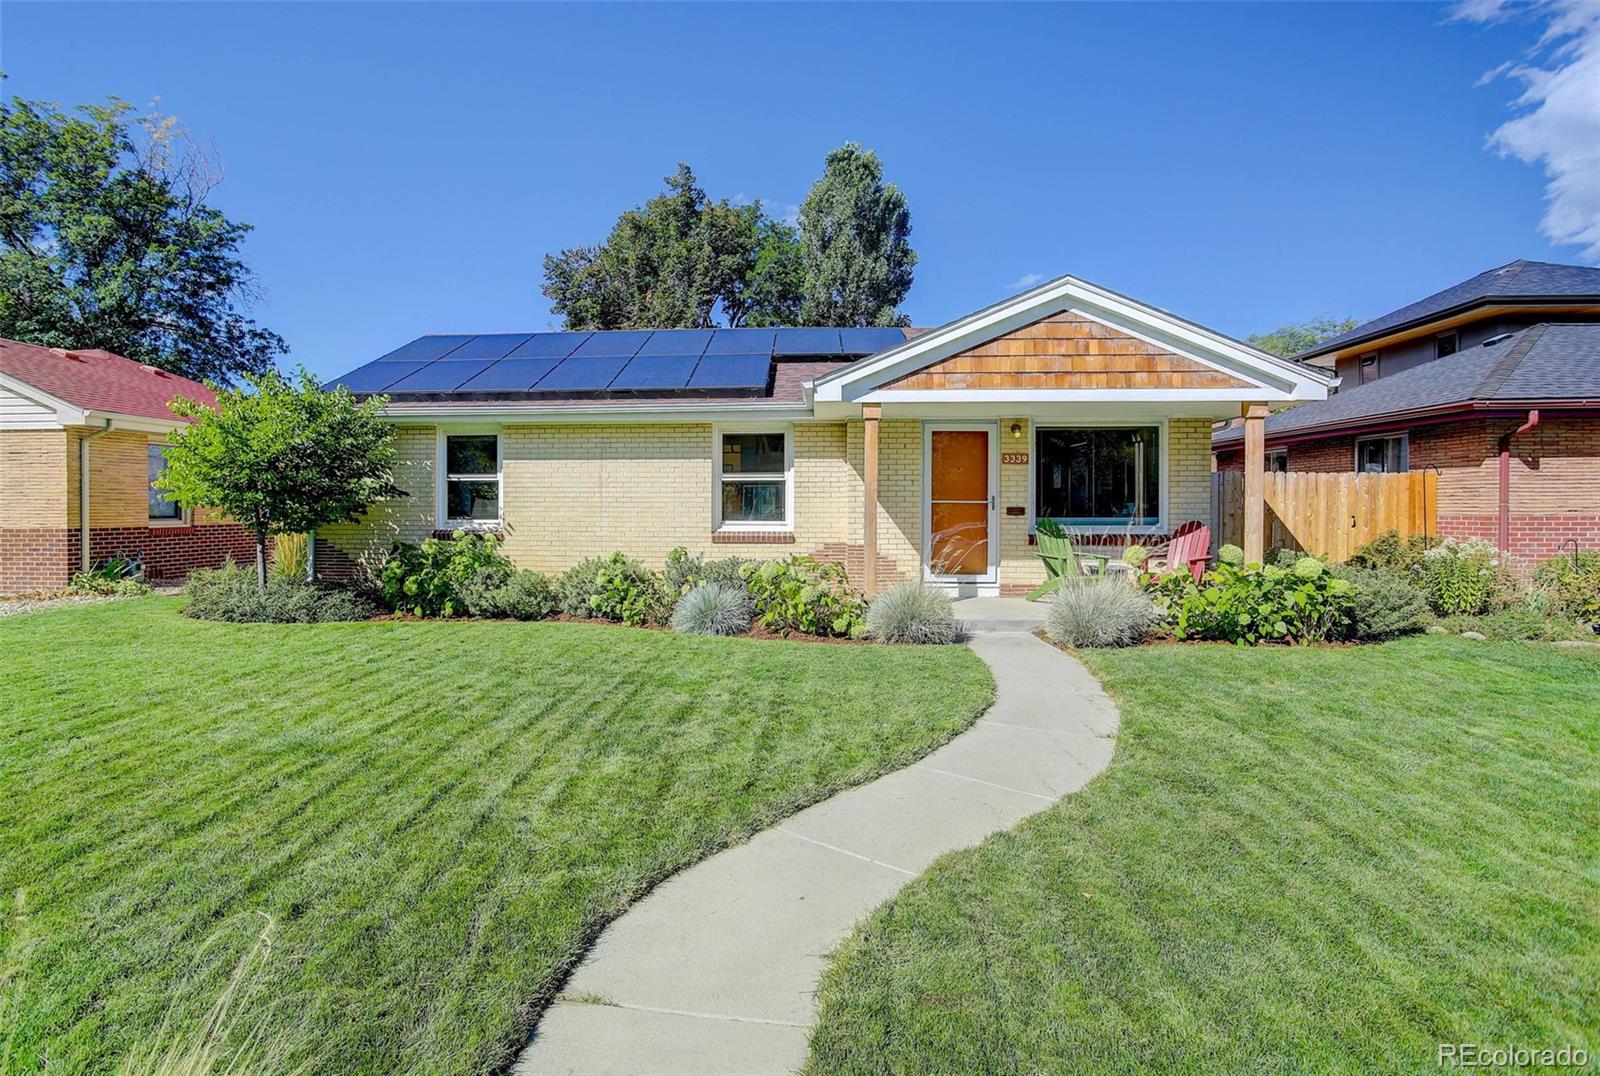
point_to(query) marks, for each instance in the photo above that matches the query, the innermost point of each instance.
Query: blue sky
(407, 166)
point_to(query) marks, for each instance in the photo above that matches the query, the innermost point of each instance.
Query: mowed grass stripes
(1315, 860)
(436, 816)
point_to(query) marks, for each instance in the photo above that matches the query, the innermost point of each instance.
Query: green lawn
(1299, 861)
(435, 817)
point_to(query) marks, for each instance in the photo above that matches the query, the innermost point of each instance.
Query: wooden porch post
(869, 507)
(1255, 482)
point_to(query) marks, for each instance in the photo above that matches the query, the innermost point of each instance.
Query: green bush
(232, 594)
(1391, 553)
(1383, 604)
(1519, 624)
(1574, 589)
(522, 595)
(803, 595)
(117, 577)
(714, 608)
(1230, 554)
(426, 580)
(684, 571)
(1252, 603)
(910, 612)
(1135, 556)
(1102, 612)
(1465, 578)
(613, 588)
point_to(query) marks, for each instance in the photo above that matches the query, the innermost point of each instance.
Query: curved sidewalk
(715, 970)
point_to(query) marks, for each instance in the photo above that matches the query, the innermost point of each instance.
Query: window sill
(169, 524)
(743, 537)
(494, 529)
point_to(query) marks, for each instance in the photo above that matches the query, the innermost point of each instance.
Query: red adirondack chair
(1190, 548)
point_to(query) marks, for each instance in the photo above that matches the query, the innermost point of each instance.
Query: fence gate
(1332, 514)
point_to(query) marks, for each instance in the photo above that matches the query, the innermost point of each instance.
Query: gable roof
(1269, 377)
(1520, 281)
(96, 380)
(1548, 363)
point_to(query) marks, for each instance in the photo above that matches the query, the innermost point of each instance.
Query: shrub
(1101, 612)
(426, 579)
(1135, 556)
(232, 594)
(1254, 603)
(1383, 604)
(801, 594)
(1574, 589)
(1391, 553)
(118, 577)
(290, 555)
(912, 613)
(684, 571)
(522, 595)
(714, 609)
(1283, 558)
(1465, 578)
(1519, 624)
(613, 588)
(1230, 554)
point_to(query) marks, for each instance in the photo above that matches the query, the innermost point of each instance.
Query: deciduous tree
(1289, 340)
(855, 239)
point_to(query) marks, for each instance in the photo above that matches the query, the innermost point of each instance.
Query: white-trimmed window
(163, 509)
(754, 470)
(1383, 455)
(1277, 459)
(1099, 477)
(469, 484)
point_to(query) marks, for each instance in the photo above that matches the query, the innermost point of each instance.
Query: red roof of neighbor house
(97, 380)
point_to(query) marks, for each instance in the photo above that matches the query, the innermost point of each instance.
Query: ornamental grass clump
(909, 612)
(714, 609)
(1101, 612)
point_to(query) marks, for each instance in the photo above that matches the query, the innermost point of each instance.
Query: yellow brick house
(899, 453)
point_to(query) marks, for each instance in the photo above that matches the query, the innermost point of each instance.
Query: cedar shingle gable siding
(1067, 351)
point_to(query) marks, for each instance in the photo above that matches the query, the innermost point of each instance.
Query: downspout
(85, 560)
(1505, 478)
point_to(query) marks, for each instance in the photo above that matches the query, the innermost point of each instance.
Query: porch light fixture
(1016, 431)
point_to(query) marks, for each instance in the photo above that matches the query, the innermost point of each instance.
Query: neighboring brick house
(1495, 382)
(60, 408)
(900, 454)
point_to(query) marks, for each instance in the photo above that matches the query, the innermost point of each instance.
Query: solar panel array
(625, 361)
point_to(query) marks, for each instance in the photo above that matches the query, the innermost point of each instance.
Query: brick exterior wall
(1555, 477)
(574, 491)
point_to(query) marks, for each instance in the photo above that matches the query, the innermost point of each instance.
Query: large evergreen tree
(855, 241)
(106, 241)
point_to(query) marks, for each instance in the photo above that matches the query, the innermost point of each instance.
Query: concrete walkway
(715, 971)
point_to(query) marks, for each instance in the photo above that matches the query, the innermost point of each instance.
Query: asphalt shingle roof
(1517, 280)
(98, 380)
(1546, 362)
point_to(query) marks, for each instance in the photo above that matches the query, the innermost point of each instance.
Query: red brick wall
(1555, 477)
(33, 558)
(45, 558)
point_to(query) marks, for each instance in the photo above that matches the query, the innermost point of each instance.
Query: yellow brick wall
(899, 492)
(119, 480)
(398, 519)
(33, 478)
(1189, 471)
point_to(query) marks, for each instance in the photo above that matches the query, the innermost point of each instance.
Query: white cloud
(1025, 281)
(1557, 125)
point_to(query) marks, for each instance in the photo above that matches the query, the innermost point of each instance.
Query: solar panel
(740, 342)
(731, 372)
(440, 376)
(376, 376)
(622, 344)
(867, 341)
(510, 375)
(579, 374)
(676, 342)
(426, 348)
(549, 345)
(807, 342)
(488, 346)
(661, 372)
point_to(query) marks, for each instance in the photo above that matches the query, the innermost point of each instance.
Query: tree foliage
(281, 457)
(1287, 341)
(106, 241)
(855, 240)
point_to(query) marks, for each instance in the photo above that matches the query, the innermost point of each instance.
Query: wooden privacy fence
(1333, 514)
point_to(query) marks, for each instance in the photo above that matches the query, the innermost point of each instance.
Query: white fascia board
(137, 423)
(1284, 380)
(1004, 396)
(524, 415)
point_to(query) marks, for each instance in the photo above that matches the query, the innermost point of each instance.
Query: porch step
(983, 615)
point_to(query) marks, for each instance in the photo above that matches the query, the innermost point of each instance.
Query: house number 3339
(1013, 457)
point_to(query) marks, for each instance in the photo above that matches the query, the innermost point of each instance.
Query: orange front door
(958, 515)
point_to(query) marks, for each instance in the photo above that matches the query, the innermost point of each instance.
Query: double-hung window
(163, 508)
(1383, 455)
(1098, 476)
(754, 479)
(471, 490)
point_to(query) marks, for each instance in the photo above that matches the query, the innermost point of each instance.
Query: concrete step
(985, 615)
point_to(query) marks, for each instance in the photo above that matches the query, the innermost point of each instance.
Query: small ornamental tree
(281, 457)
